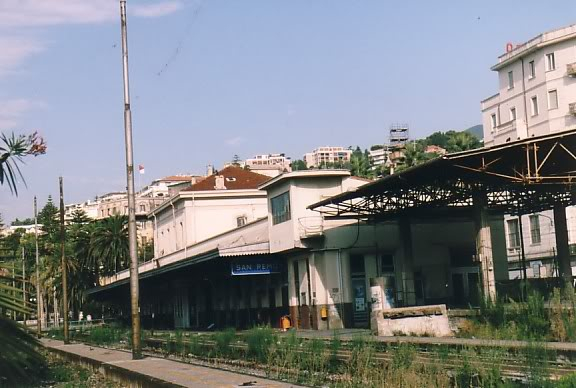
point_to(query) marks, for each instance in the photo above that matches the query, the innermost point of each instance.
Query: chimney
(220, 183)
(209, 170)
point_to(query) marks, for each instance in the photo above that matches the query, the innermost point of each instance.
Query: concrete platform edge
(114, 372)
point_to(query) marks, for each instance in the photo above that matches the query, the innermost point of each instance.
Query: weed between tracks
(530, 320)
(357, 363)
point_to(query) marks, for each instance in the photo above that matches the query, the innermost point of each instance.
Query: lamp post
(134, 287)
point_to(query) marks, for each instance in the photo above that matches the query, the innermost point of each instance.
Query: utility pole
(134, 287)
(64, 266)
(38, 296)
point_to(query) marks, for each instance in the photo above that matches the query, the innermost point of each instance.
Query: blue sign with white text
(255, 267)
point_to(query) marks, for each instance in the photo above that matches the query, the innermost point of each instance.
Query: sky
(211, 79)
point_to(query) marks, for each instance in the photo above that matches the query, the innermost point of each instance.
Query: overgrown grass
(360, 362)
(530, 320)
(223, 341)
(259, 341)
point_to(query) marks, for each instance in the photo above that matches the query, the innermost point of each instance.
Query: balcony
(510, 131)
(311, 227)
(571, 69)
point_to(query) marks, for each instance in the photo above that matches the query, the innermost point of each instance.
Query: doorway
(360, 308)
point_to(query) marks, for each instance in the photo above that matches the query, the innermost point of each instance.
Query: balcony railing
(311, 227)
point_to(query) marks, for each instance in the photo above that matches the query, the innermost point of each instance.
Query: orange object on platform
(285, 322)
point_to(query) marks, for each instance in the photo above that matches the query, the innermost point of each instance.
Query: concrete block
(421, 321)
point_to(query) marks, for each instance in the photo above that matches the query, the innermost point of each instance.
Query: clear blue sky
(214, 78)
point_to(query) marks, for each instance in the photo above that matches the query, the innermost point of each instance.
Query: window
(280, 208)
(357, 264)
(552, 99)
(535, 236)
(512, 114)
(510, 80)
(142, 208)
(387, 264)
(125, 209)
(241, 221)
(550, 62)
(534, 105)
(536, 269)
(513, 233)
(493, 120)
(531, 70)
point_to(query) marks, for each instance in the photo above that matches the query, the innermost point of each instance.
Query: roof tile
(235, 178)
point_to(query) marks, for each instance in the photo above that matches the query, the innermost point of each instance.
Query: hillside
(477, 131)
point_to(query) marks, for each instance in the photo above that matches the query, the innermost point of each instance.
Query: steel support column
(484, 247)
(407, 268)
(562, 249)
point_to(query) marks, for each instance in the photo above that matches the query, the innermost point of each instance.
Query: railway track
(511, 362)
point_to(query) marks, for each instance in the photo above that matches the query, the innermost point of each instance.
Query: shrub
(194, 346)
(223, 340)
(259, 341)
(492, 312)
(568, 381)
(562, 315)
(178, 342)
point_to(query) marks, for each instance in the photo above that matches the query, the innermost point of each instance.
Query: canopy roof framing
(521, 177)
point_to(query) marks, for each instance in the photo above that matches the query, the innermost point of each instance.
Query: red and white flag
(141, 168)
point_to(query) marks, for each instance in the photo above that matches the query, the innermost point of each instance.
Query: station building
(286, 259)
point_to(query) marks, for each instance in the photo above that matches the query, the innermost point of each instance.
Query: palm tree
(462, 141)
(20, 361)
(12, 149)
(109, 244)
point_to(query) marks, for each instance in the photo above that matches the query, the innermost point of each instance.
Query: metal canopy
(520, 177)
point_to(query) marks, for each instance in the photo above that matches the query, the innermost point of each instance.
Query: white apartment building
(270, 164)
(89, 207)
(537, 96)
(327, 155)
(378, 157)
(537, 89)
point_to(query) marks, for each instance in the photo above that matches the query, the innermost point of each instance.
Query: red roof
(235, 178)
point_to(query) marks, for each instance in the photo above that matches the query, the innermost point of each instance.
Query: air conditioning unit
(572, 108)
(571, 69)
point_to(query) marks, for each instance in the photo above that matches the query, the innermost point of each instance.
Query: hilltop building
(322, 156)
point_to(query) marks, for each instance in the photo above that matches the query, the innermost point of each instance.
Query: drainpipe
(524, 100)
(341, 285)
(185, 231)
(194, 219)
(174, 225)
(156, 237)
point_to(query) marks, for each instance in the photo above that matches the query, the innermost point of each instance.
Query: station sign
(255, 267)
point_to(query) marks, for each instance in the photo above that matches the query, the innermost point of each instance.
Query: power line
(195, 12)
